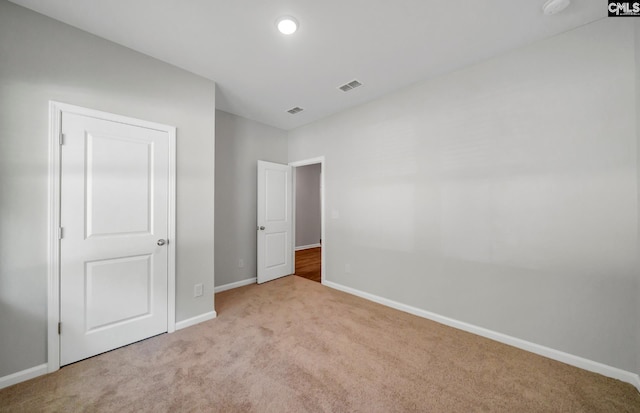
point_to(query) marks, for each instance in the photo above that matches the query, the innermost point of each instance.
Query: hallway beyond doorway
(308, 263)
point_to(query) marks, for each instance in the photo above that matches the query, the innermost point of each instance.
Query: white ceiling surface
(261, 73)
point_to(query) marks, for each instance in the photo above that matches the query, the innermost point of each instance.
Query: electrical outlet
(347, 268)
(197, 290)
(240, 263)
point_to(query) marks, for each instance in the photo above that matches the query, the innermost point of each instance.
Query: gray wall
(240, 143)
(42, 59)
(308, 219)
(504, 195)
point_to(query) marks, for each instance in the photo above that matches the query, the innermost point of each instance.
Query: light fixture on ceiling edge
(555, 6)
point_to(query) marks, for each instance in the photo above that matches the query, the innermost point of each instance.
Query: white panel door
(275, 227)
(114, 219)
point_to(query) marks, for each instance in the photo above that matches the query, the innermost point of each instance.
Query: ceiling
(261, 73)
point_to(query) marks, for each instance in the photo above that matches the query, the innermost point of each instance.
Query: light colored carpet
(293, 345)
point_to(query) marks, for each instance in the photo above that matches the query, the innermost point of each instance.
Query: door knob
(261, 228)
(161, 242)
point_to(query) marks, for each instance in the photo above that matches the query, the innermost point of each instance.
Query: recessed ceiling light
(287, 25)
(555, 6)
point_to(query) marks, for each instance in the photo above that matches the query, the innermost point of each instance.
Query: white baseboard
(23, 375)
(196, 320)
(558, 355)
(306, 247)
(237, 284)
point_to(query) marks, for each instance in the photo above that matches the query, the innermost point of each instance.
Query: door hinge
(59, 232)
(61, 138)
(59, 328)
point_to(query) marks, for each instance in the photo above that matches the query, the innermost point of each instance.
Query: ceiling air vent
(295, 110)
(351, 85)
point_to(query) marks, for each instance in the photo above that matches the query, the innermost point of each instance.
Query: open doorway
(308, 219)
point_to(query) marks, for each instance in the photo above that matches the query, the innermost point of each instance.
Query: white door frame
(312, 161)
(53, 280)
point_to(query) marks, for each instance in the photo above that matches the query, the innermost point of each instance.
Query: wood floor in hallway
(308, 263)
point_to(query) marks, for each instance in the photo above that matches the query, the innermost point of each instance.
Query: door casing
(53, 279)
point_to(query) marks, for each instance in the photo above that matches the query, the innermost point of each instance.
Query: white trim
(23, 375)
(236, 284)
(323, 172)
(548, 352)
(294, 201)
(305, 162)
(53, 288)
(196, 320)
(53, 276)
(307, 247)
(171, 233)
